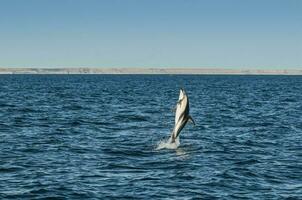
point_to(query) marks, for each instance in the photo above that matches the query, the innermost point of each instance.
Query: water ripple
(95, 136)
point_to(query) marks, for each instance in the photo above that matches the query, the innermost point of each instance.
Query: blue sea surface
(95, 137)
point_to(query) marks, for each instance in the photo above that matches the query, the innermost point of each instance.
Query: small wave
(167, 144)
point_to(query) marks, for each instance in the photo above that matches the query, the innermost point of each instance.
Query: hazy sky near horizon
(151, 33)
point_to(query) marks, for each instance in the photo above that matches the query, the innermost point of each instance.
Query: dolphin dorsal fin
(190, 119)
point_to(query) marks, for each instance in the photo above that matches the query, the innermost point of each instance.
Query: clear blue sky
(151, 33)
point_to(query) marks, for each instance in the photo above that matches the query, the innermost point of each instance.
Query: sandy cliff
(145, 71)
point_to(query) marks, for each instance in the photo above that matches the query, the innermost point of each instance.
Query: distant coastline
(83, 70)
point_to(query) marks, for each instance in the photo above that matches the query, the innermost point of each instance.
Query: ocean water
(95, 137)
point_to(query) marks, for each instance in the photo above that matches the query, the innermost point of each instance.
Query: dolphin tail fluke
(190, 119)
(172, 137)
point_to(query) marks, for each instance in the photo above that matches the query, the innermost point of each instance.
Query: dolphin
(182, 116)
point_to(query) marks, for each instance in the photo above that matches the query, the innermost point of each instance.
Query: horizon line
(149, 70)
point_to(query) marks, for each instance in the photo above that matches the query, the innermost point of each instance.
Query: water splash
(167, 144)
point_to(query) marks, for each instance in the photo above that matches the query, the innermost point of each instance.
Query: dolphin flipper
(190, 119)
(175, 107)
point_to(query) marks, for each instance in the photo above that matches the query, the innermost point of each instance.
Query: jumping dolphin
(181, 115)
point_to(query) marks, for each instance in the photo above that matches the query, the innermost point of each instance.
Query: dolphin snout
(182, 90)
